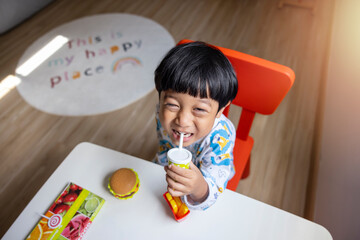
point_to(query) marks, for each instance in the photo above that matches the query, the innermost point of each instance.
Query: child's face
(194, 116)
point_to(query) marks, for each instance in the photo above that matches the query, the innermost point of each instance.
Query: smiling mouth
(186, 135)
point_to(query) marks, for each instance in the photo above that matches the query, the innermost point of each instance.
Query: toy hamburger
(124, 183)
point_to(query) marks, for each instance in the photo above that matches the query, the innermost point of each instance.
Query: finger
(194, 169)
(176, 185)
(176, 177)
(178, 170)
(173, 184)
(192, 166)
(175, 193)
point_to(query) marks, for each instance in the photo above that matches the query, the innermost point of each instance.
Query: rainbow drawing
(116, 66)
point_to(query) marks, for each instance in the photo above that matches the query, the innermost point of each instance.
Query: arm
(215, 163)
(201, 186)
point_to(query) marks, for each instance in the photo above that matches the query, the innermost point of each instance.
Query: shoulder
(221, 137)
(223, 127)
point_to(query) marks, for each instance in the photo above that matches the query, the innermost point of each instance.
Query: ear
(222, 110)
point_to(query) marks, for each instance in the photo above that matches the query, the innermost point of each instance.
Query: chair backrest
(262, 86)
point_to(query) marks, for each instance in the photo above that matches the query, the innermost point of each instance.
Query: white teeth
(185, 134)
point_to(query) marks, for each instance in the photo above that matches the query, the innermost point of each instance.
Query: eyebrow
(205, 101)
(202, 100)
(166, 95)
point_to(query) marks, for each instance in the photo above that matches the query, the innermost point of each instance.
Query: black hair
(197, 69)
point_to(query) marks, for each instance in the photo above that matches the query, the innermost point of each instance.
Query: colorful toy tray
(69, 216)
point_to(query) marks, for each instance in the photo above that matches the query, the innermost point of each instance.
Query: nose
(184, 118)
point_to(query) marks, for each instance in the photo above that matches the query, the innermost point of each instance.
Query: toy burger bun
(124, 183)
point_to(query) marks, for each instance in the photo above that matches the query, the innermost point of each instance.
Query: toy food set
(179, 209)
(69, 216)
(179, 157)
(124, 183)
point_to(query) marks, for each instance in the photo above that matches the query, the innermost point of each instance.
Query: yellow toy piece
(172, 202)
(174, 206)
(182, 210)
(168, 196)
(178, 201)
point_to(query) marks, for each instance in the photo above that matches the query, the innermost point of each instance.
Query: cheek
(204, 127)
(165, 118)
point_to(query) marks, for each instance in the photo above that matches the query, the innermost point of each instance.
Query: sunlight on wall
(338, 185)
(39, 57)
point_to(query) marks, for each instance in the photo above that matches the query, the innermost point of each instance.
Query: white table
(147, 215)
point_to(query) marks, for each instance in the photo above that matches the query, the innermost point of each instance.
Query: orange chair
(262, 87)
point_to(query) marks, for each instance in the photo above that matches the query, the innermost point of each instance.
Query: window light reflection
(7, 84)
(39, 57)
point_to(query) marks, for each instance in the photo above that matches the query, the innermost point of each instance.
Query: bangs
(187, 81)
(198, 70)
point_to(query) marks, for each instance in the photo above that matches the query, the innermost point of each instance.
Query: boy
(195, 83)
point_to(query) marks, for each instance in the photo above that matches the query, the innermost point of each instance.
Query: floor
(283, 164)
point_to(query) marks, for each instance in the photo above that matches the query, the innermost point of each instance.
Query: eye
(200, 110)
(171, 106)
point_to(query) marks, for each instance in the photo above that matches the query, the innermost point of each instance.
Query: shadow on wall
(13, 12)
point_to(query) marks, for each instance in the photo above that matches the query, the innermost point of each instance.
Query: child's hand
(183, 181)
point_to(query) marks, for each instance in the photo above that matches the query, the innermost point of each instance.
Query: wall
(13, 12)
(337, 205)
